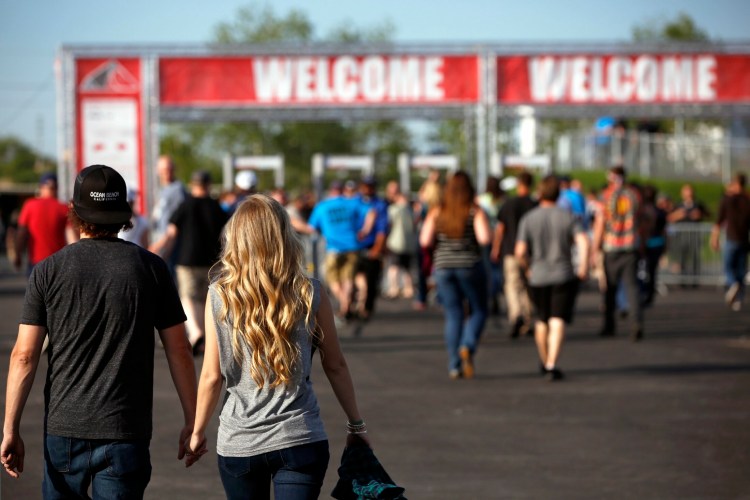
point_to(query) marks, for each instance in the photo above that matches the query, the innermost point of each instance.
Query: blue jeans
(735, 264)
(297, 473)
(456, 285)
(495, 272)
(113, 469)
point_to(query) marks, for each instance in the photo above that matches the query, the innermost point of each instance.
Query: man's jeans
(735, 265)
(456, 285)
(114, 469)
(297, 473)
(621, 267)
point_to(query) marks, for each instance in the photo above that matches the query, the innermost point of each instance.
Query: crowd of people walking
(471, 257)
(229, 279)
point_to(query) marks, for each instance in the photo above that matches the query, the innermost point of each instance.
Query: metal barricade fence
(314, 247)
(689, 259)
(663, 156)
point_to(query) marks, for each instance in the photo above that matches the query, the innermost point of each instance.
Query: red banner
(109, 122)
(319, 80)
(626, 79)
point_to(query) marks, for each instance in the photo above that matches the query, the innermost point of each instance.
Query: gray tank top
(255, 420)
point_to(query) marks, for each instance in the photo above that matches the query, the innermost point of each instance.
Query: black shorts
(555, 301)
(402, 260)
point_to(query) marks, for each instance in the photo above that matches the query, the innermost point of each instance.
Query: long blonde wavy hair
(263, 289)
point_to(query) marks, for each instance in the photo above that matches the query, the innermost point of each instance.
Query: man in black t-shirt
(197, 222)
(99, 301)
(503, 245)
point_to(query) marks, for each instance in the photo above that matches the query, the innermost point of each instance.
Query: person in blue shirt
(572, 200)
(337, 219)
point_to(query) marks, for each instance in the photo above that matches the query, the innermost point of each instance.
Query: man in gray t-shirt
(544, 249)
(171, 195)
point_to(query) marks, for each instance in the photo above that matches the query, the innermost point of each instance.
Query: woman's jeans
(735, 265)
(457, 285)
(297, 473)
(113, 469)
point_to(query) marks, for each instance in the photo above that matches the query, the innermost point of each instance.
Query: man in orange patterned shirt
(618, 233)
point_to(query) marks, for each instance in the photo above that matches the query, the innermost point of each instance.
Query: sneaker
(454, 374)
(467, 363)
(554, 375)
(736, 306)
(356, 330)
(637, 335)
(339, 321)
(515, 330)
(525, 330)
(363, 316)
(494, 306)
(732, 293)
(542, 369)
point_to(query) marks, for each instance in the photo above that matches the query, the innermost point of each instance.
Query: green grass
(709, 193)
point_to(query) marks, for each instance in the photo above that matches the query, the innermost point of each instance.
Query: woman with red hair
(457, 229)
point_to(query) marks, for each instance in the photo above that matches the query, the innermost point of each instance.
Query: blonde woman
(430, 195)
(264, 320)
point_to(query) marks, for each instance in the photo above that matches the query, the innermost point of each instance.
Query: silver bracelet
(356, 427)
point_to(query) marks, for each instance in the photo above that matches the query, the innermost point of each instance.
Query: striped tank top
(463, 252)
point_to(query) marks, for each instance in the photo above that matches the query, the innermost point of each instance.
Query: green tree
(185, 145)
(452, 137)
(256, 24)
(347, 32)
(20, 163)
(680, 29)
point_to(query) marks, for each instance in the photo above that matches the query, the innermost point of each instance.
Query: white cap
(509, 183)
(246, 180)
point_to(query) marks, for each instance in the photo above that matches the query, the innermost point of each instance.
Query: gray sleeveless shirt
(255, 420)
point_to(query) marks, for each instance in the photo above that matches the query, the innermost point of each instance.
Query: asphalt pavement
(668, 417)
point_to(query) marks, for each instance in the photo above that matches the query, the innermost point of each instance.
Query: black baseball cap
(201, 177)
(100, 196)
(369, 180)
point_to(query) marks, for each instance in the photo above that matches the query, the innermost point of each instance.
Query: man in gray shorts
(543, 248)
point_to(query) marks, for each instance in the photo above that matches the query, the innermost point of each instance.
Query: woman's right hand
(352, 439)
(196, 449)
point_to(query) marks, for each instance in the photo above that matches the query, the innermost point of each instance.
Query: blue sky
(32, 30)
